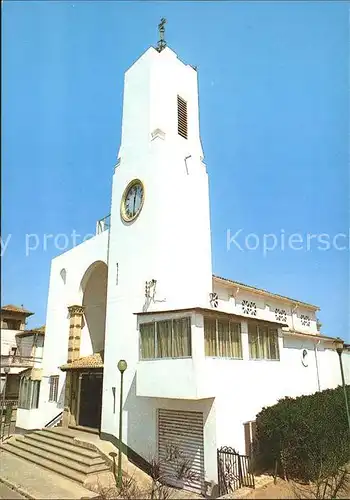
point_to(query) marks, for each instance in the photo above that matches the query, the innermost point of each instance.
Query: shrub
(304, 435)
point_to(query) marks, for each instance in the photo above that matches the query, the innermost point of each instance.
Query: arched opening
(94, 288)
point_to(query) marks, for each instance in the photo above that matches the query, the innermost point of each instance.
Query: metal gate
(8, 411)
(181, 449)
(234, 471)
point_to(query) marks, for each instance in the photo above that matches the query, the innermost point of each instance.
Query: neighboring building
(204, 353)
(30, 344)
(13, 321)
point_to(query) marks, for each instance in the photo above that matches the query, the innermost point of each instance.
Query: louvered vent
(182, 117)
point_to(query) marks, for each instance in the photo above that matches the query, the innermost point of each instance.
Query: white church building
(204, 353)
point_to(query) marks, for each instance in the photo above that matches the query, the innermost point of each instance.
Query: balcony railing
(18, 361)
(103, 224)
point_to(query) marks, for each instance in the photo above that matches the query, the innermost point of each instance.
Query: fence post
(240, 470)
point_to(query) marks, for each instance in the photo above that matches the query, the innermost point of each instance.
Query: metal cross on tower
(161, 43)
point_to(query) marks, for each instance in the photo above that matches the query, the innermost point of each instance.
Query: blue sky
(274, 103)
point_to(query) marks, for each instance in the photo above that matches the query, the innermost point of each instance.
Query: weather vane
(161, 43)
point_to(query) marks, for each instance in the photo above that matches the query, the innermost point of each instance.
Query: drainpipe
(293, 309)
(317, 372)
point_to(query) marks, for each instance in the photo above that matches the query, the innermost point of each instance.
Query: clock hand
(134, 201)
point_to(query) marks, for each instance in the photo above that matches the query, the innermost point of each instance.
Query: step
(53, 457)
(75, 448)
(57, 436)
(39, 482)
(63, 452)
(46, 464)
(64, 431)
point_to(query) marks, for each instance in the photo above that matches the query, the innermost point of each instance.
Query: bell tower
(168, 240)
(160, 220)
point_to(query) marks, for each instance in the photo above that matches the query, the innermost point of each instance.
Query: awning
(205, 310)
(92, 361)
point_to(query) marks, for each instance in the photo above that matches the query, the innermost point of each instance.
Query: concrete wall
(231, 298)
(8, 340)
(245, 386)
(77, 263)
(28, 419)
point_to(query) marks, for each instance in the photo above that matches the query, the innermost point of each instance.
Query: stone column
(75, 325)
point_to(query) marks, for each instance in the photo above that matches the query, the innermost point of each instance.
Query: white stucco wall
(8, 340)
(240, 388)
(61, 295)
(231, 298)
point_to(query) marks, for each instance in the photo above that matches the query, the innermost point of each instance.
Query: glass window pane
(26, 394)
(20, 396)
(35, 393)
(224, 345)
(273, 341)
(53, 388)
(182, 337)
(254, 344)
(210, 337)
(147, 341)
(164, 339)
(24, 401)
(236, 340)
(56, 387)
(264, 342)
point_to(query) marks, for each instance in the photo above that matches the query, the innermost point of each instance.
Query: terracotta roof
(33, 331)
(92, 361)
(16, 309)
(265, 292)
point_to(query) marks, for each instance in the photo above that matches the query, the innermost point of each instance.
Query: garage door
(181, 447)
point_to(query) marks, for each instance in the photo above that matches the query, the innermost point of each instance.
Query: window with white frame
(263, 342)
(53, 382)
(169, 338)
(29, 393)
(222, 338)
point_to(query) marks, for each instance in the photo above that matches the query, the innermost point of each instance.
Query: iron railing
(8, 410)
(103, 224)
(234, 471)
(53, 422)
(17, 360)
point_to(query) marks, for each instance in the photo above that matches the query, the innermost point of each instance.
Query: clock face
(132, 200)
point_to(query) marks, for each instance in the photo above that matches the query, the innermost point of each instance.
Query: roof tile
(92, 361)
(19, 309)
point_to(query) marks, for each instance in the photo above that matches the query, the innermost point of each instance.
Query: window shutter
(182, 117)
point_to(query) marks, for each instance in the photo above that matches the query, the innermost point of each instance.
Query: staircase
(57, 450)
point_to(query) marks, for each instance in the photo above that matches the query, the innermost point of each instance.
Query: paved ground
(37, 482)
(281, 490)
(7, 493)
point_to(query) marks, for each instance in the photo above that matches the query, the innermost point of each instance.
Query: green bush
(304, 436)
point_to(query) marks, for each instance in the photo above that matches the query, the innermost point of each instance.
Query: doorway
(90, 405)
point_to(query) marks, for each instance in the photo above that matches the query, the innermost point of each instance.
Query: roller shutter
(180, 440)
